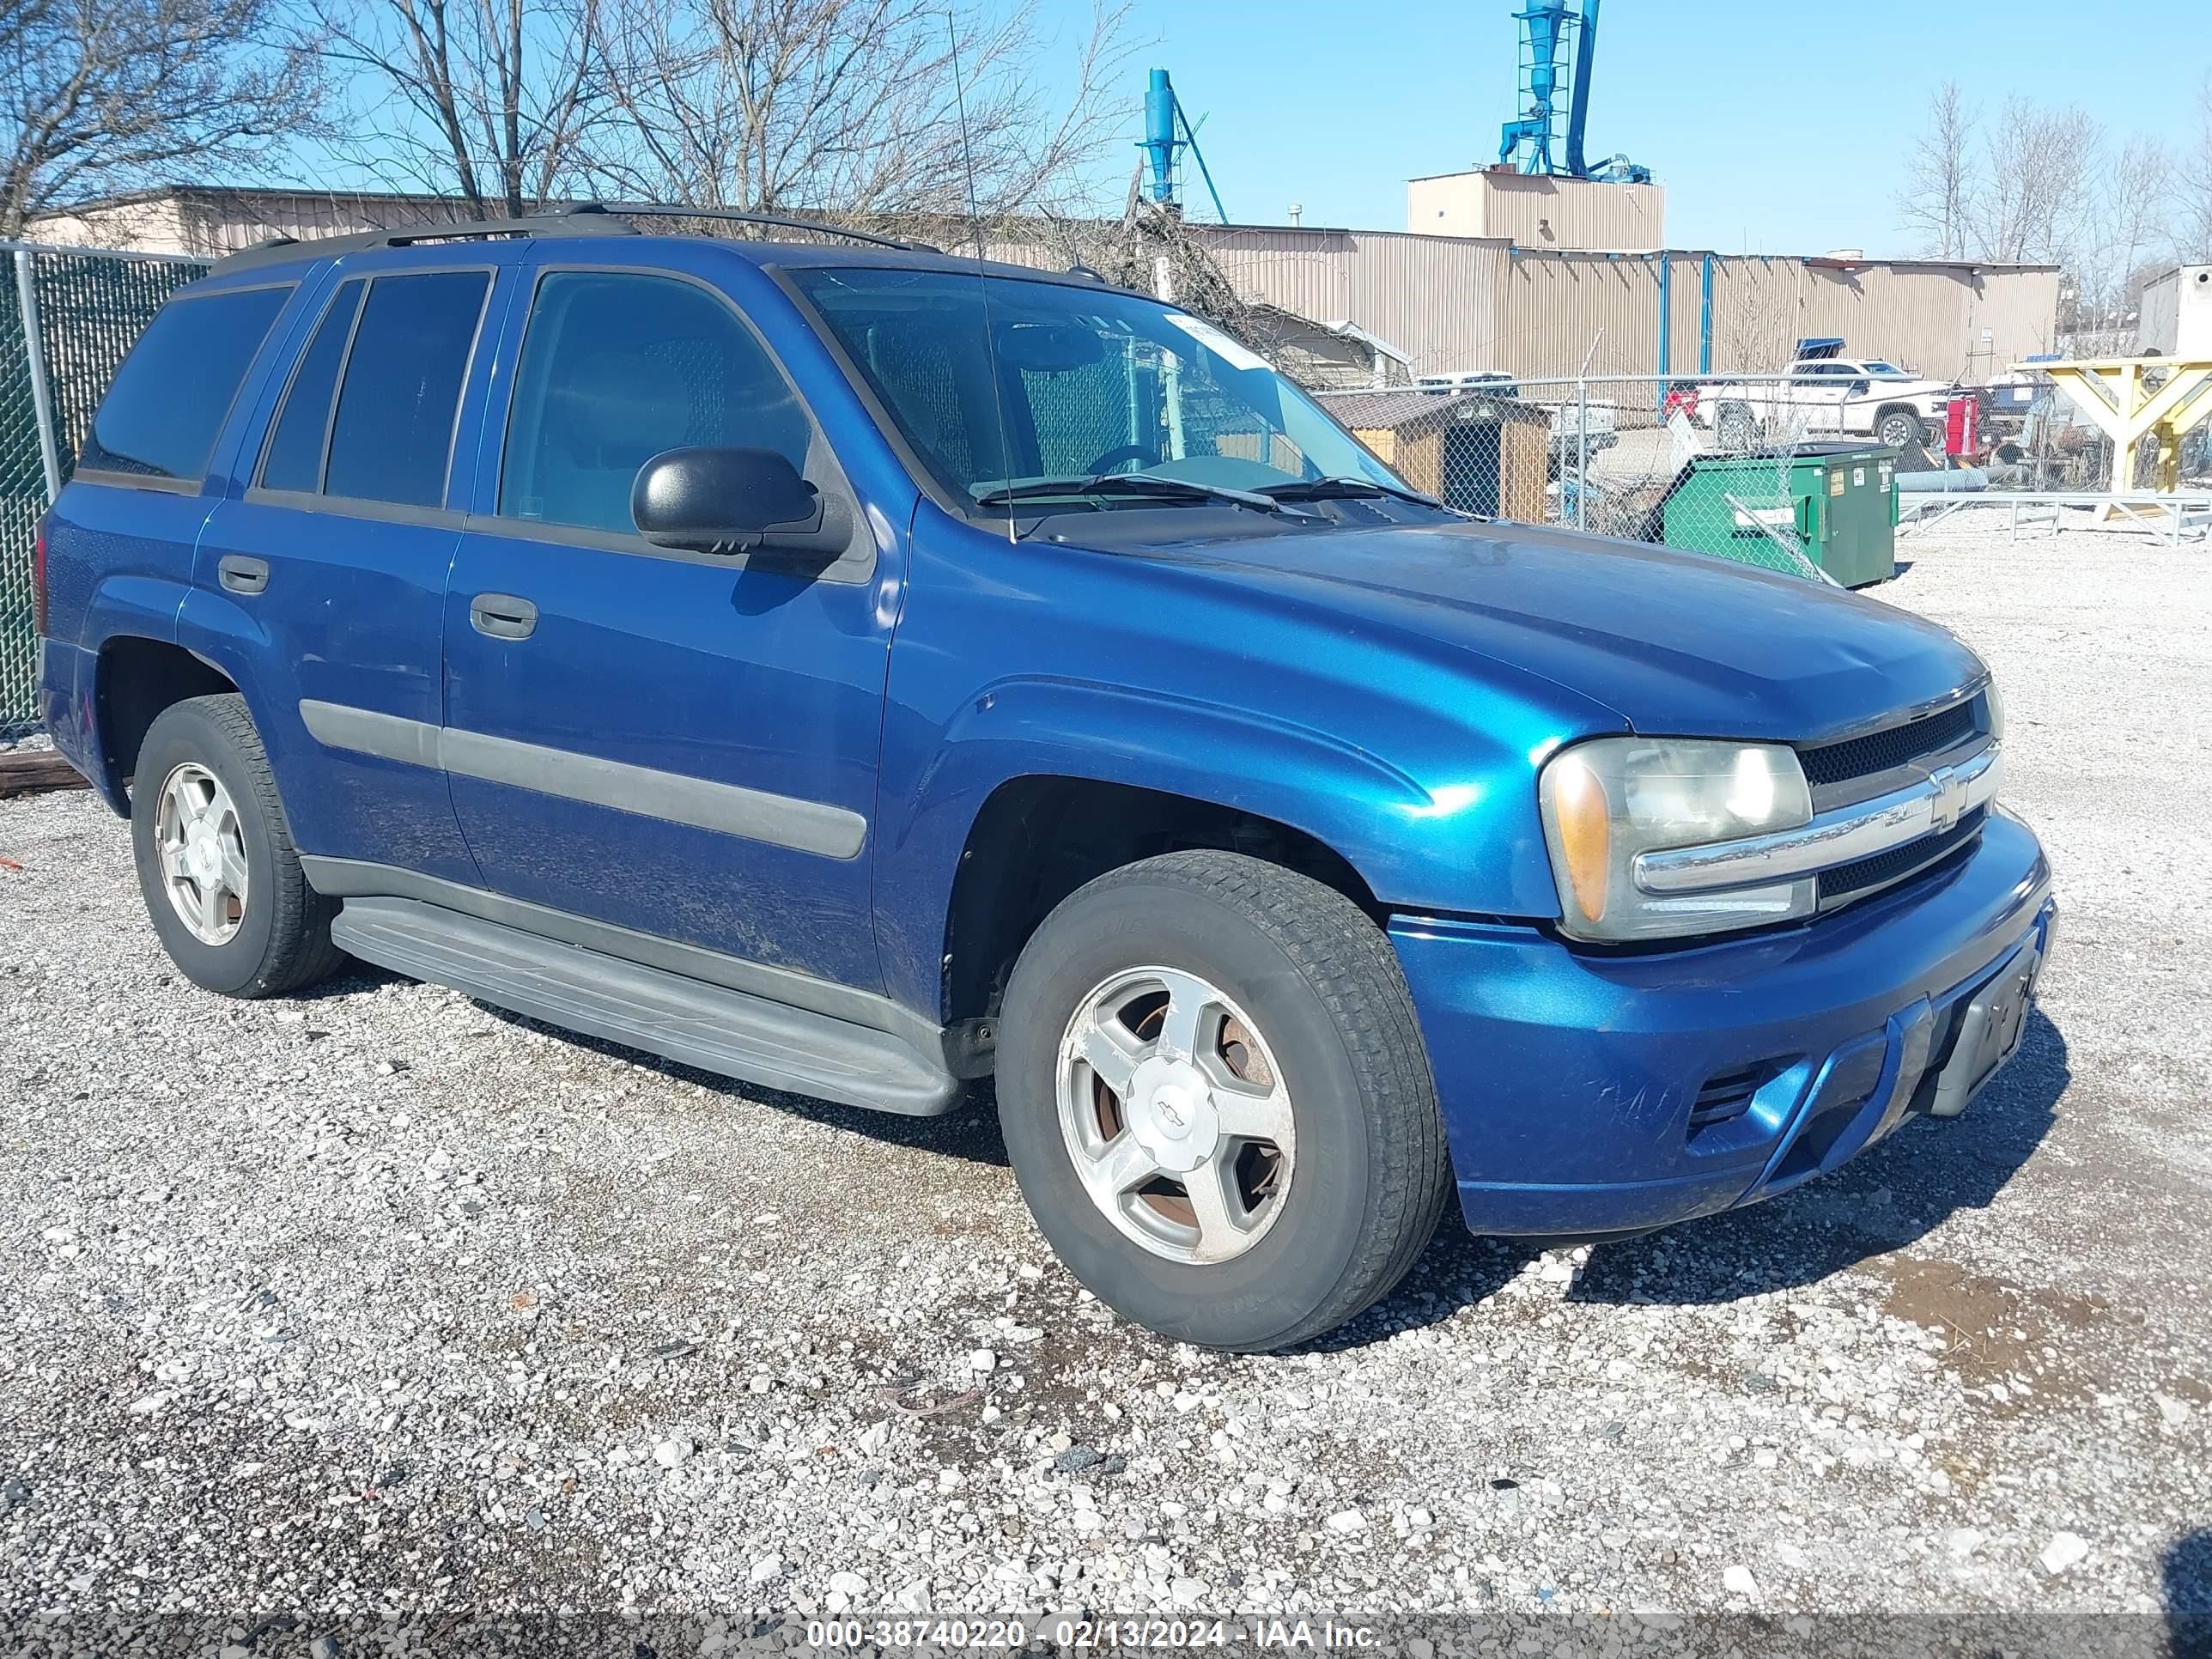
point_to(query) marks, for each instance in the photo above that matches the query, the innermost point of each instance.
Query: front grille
(1831, 764)
(1849, 881)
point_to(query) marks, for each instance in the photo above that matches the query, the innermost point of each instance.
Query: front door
(679, 744)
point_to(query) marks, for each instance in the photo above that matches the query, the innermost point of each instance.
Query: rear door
(1817, 394)
(120, 538)
(683, 744)
(339, 547)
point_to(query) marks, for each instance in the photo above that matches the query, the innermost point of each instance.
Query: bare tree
(102, 95)
(1940, 182)
(2129, 225)
(2194, 220)
(855, 106)
(490, 101)
(2039, 170)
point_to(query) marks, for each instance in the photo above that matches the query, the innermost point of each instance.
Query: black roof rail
(776, 220)
(565, 219)
(578, 219)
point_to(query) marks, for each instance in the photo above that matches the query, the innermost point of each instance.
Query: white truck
(1573, 431)
(1820, 394)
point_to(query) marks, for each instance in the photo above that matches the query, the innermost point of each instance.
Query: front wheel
(1899, 429)
(1216, 1100)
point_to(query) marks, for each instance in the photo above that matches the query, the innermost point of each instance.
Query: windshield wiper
(1343, 489)
(1147, 484)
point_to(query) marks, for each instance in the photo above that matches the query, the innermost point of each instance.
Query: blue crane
(1547, 28)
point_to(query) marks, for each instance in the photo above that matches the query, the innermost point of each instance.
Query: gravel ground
(382, 1298)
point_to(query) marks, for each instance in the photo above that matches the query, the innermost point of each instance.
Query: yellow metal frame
(2110, 392)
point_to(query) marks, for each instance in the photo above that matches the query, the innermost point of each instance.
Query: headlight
(1605, 801)
(1994, 705)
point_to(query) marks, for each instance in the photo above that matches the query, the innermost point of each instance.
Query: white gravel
(382, 1299)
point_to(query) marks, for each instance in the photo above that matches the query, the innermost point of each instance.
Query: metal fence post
(1582, 453)
(34, 356)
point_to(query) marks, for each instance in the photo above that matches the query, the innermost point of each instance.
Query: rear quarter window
(163, 413)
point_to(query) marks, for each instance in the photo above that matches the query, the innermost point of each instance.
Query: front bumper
(1570, 1082)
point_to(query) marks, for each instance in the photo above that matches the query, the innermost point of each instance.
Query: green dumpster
(1834, 504)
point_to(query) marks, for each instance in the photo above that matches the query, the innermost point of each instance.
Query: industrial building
(1538, 209)
(2175, 318)
(1451, 303)
(1442, 302)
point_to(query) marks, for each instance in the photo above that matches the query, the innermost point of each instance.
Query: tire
(1734, 427)
(1899, 429)
(277, 938)
(1330, 1018)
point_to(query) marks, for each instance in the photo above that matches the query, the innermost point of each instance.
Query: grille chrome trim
(1842, 837)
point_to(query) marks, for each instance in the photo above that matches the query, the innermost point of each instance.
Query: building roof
(1370, 412)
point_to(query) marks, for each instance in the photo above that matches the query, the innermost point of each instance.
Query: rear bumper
(1568, 1081)
(67, 680)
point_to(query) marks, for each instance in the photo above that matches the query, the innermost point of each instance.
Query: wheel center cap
(202, 853)
(1170, 1111)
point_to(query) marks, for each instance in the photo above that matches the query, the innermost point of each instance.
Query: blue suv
(865, 672)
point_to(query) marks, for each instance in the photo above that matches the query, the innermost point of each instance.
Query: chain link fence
(66, 319)
(1740, 469)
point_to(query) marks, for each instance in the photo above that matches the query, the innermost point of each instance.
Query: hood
(1675, 644)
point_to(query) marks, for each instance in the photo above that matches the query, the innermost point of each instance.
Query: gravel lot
(382, 1298)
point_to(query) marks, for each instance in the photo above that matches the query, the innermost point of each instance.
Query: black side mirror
(711, 498)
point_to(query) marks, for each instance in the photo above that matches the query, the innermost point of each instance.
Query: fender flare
(1444, 847)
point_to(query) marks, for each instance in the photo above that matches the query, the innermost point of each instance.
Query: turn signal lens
(1585, 834)
(1605, 801)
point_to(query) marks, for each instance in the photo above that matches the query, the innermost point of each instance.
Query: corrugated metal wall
(1455, 303)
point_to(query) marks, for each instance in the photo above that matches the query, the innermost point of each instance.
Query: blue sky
(1781, 127)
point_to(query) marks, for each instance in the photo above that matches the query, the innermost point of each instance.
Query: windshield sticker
(1215, 341)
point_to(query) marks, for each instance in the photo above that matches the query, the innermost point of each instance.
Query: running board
(717, 1029)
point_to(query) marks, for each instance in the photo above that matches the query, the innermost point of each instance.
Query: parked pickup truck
(1579, 427)
(1857, 397)
(867, 674)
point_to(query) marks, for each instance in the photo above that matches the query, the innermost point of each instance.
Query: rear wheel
(222, 880)
(1217, 1101)
(1735, 428)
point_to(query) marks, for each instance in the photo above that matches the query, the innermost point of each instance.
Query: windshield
(1090, 381)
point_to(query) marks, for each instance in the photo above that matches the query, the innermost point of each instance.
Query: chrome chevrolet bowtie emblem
(1950, 797)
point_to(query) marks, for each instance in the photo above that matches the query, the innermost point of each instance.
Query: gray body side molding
(727, 808)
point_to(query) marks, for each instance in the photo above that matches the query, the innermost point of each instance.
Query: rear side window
(294, 460)
(393, 433)
(166, 408)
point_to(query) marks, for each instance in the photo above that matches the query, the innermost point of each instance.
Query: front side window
(392, 434)
(619, 367)
(1088, 381)
(163, 413)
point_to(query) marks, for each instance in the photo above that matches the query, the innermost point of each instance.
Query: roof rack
(578, 219)
(776, 221)
(570, 218)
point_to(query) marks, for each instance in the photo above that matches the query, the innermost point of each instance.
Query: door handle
(241, 574)
(502, 616)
